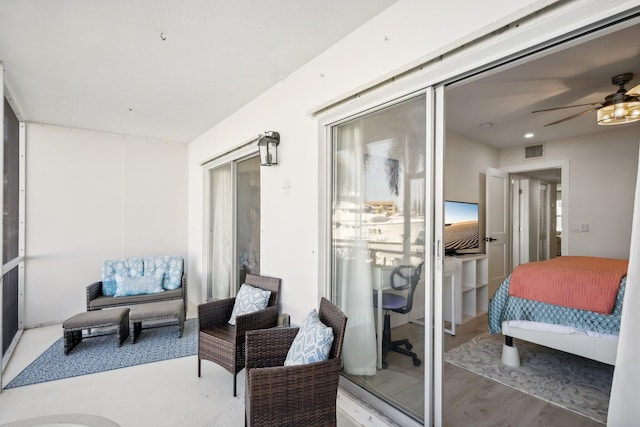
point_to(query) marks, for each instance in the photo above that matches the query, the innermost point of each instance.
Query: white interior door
(519, 219)
(497, 226)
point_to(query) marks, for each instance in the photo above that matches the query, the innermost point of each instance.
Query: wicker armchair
(302, 395)
(222, 343)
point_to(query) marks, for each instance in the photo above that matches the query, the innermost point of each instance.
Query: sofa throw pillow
(129, 267)
(170, 266)
(128, 286)
(248, 300)
(312, 342)
(173, 275)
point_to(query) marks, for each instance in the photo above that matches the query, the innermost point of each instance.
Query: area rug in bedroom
(101, 353)
(571, 382)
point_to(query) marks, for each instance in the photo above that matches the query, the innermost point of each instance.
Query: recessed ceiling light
(528, 135)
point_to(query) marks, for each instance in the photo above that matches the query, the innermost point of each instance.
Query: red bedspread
(586, 283)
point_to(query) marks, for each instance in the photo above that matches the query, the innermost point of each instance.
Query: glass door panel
(378, 225)
(248, 218)
(234, 240)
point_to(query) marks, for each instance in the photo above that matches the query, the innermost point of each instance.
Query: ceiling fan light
(616, 114)
(620, 112)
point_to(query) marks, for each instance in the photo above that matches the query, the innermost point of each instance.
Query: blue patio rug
(101, 353)
(572, 382)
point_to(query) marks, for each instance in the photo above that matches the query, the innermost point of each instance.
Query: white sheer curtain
(378, 212)
(221, 233)
(359, 351)
(623, 407)
(351, 258)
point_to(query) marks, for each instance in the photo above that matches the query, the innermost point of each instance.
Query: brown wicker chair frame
(222, 343)
(302, 395)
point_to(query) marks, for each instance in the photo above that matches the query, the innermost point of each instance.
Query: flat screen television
(461, 230)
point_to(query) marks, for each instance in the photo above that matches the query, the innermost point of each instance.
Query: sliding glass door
(377, 242)
(234, 225)
(247, 218)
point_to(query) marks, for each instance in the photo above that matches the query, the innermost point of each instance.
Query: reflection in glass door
(377, 242)
(248, 218)
(234, 231)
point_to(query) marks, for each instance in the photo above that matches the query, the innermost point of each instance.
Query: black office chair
(403, 277)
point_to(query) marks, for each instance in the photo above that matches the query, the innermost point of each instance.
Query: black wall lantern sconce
(268, 146)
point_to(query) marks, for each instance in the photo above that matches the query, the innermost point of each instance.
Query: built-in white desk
(448, 294)
(465, 288)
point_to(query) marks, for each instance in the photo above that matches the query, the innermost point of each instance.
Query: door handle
(489, 239)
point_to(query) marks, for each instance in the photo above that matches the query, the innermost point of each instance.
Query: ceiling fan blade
(573, 117)
(568, 106)
(634, 91)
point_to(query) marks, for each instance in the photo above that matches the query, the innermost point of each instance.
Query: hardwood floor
(472, 400)
(468, 399)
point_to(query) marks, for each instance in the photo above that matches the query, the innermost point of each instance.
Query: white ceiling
(170, 70)
(572, 74)
(162, 69)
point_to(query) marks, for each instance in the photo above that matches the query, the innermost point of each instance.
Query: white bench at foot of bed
(597, 348)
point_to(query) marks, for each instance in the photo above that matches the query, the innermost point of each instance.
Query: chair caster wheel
(416, 362)
(384, 365)
(409, 346)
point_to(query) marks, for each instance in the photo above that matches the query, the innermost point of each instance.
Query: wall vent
(534, 151)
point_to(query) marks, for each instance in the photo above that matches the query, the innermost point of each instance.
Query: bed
(573, 304)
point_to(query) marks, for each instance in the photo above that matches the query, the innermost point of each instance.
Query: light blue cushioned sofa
(140, 280)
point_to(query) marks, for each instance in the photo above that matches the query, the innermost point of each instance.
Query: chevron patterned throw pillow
(312, 343)
(248, 300)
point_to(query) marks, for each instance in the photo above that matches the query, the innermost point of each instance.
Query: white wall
(465, 165)
(405, 32)
(603, 169)
(93, 196)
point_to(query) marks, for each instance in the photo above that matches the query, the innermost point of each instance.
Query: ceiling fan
(622, 106)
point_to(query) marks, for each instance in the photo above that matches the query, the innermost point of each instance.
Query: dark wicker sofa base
(97, 301)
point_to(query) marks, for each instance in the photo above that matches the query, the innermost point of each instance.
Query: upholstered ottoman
(156, 311)
(73, 327)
